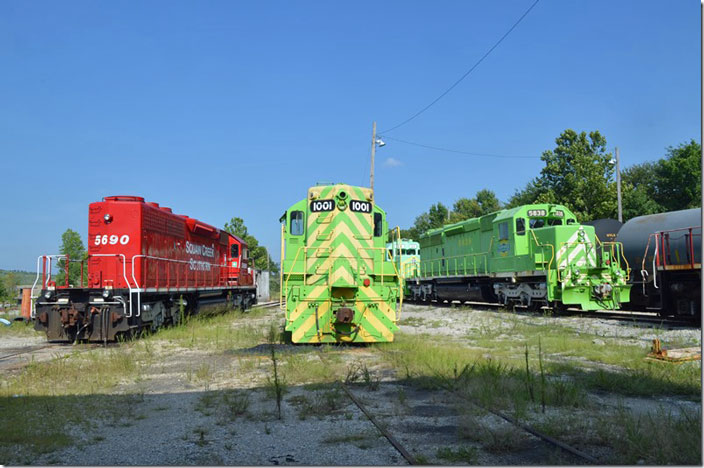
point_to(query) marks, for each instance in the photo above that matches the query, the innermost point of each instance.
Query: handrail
(552, 248)
(150, 257)
(440, 259)
(305, 248)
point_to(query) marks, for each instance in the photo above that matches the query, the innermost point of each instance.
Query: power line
(466, 74)
(486, 155)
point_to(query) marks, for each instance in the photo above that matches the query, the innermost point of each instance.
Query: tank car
(146, 266)
(664, 251)
(337, 278)
(532, 255)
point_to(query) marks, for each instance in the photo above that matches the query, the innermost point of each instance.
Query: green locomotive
(337, 278)
(532, 255)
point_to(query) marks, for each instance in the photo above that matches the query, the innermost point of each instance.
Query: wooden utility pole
(618, 187)
(371, 175)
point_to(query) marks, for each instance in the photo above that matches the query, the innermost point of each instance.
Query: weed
(277, 385)
(656, 438)
(237, 403)
(402, 397)
(463, 454)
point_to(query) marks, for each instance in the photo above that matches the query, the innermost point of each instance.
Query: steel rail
(540, 435)
(621, 314)
(392, 440)
(397, 445)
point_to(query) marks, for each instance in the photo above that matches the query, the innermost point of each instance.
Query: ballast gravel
(171, 422)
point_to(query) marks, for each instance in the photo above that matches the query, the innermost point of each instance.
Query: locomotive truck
(146, 267)
(533, 255)
(337, 277)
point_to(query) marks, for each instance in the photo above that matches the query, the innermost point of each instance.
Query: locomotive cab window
(234, 250)
(536, 223)
(571, 221)
(520, 226)
(296, 228)
(555, 222)
(378, 225)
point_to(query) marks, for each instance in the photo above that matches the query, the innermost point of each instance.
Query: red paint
(366, 282)
(165, 250)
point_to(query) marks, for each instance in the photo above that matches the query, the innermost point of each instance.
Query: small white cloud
(391, 162)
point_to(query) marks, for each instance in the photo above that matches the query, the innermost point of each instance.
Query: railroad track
(620, 315)
(412, 461)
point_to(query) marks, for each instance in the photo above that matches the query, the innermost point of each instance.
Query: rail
(444, 262)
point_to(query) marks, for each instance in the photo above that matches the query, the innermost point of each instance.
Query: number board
(559, 213)
(322, 205)
(360, 206)
(536, 213)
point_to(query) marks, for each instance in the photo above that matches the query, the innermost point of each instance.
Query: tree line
(580, 174)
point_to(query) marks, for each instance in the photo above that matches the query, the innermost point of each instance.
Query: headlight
(106, 293)
(577, 272)
(107, 218)
(48, 294)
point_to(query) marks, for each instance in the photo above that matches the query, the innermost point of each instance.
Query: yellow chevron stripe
(342, 274)
(314, 294)
(308, 323)
(383, 306)
(381, 328)
(340, 251)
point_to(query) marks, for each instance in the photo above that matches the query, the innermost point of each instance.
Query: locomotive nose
(344, 315)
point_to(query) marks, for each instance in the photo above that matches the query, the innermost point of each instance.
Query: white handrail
(139, 288)
(32, 309)
(124, 275)
(655, 256)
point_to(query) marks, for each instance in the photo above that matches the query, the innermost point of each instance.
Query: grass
(17, 327)
(466, 455)
(362, 440)
(215, 328)
(655, 438)
(320, 403)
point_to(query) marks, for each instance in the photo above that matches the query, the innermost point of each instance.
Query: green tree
(435, 217)
(638, 188)
(488, 201)
(679, 177)
(484, 202)
(577, 173)
(465, 208)
(71, 246)
(4, 296)
(257, 252)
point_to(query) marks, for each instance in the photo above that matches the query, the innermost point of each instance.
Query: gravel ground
(174, 420)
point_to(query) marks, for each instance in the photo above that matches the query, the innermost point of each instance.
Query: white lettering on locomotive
(200, 249)
(198, 265)
(112, 239)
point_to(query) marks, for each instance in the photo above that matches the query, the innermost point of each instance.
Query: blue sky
(222, 109)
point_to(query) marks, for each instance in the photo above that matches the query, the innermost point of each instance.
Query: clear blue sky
(221, 109)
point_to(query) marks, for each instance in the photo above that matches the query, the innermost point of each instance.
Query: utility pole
(618, 187)
(371, 175)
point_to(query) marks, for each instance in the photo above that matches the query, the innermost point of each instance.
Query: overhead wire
(467, 73)
(470, 153)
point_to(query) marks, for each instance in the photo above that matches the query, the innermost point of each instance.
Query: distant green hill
(22, 277)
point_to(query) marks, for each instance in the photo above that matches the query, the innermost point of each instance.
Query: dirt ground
(229, 416)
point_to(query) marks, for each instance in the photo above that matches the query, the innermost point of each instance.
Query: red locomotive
(146, 267)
